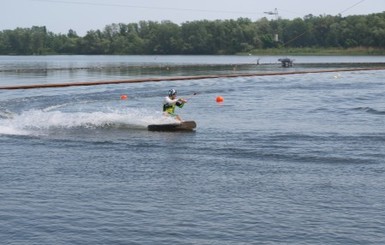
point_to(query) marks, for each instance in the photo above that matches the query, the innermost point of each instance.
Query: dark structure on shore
(286, 62)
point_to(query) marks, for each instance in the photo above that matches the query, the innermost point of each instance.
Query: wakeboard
(173, 127)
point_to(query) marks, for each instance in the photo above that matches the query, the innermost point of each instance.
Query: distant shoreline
(266, 52)
(320, 51)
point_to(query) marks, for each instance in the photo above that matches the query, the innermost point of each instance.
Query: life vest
(170, 108)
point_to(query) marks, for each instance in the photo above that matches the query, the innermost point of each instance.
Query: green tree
(38, 39)
(94, 43)
(163, 38)
(295, 33)
(202, 37)
(376, 26)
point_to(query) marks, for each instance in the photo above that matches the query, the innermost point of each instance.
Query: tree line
(202, 37)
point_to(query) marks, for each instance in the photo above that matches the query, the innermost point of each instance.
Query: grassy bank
(319, 51)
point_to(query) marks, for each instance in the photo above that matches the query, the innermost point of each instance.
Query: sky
(59, 16)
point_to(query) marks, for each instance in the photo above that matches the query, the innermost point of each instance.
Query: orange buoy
(219, 99)
(123, 97)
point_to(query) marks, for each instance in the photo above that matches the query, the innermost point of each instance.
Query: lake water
(290, 159)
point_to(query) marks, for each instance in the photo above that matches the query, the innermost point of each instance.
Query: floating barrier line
(159, 79)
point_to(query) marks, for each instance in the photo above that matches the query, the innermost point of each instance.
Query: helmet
(171, 92)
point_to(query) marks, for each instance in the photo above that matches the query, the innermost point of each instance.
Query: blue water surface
(290, 159)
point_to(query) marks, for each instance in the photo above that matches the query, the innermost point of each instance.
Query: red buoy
(219, 99)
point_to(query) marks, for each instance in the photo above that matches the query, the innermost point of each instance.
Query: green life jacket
(171, 108)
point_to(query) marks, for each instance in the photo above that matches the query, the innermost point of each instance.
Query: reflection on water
(23, 70)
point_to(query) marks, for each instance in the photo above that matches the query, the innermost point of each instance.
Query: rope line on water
(181, 78)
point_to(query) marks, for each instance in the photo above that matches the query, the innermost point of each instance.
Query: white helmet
(171, 92)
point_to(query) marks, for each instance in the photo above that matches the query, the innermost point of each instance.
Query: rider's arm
(168, 100)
